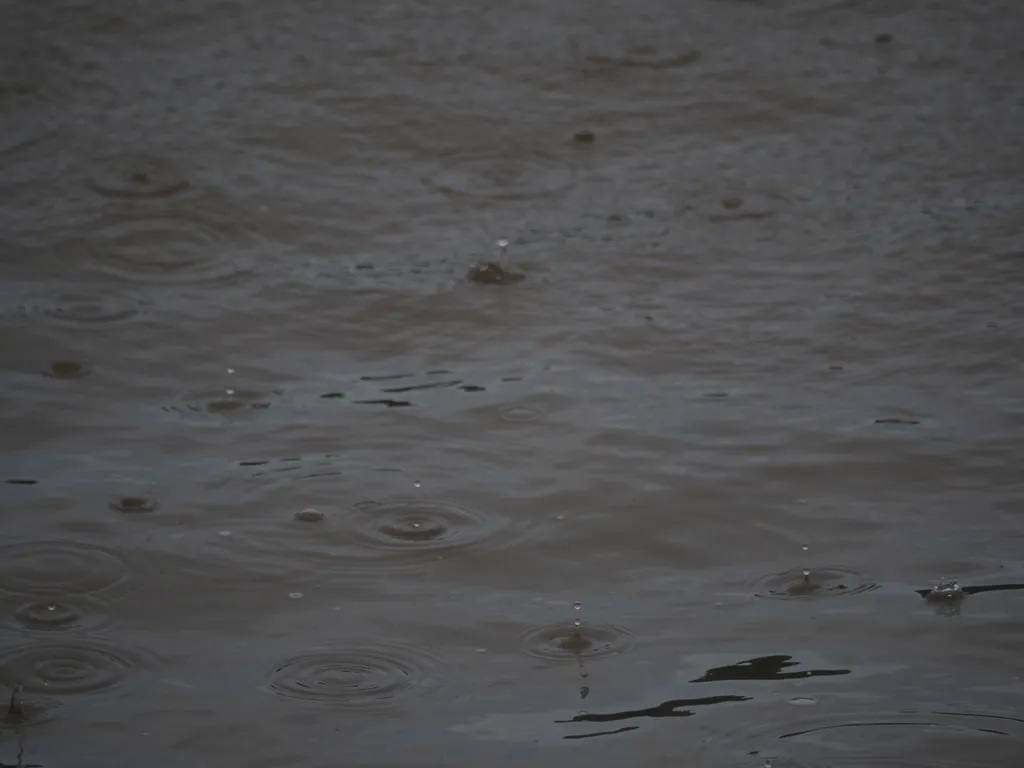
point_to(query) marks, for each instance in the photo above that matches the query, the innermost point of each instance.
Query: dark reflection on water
(344, 347)
(764, 668)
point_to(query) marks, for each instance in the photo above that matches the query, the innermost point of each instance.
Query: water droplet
(805, 547)
(417, 483)
(294, 595)
(807, 573)
(577, 605)
(416, 524)
(231, 370)
(229, 391)
(51, 607)
(576, 622)
(223, 533)
(768, 762)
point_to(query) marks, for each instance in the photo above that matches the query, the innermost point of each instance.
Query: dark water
(768, 320)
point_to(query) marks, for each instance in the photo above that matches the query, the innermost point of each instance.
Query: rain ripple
(68, 667)
(358, 675)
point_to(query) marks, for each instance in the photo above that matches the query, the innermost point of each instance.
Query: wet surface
(446, 384)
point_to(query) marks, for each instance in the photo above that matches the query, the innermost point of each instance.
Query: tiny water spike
(502, 248)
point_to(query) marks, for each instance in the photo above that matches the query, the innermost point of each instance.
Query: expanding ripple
(136, 177)
(60, 568)
(229, 403)
(368, 675)
(67, 369)
(173, 246)
(908, 739)
(519, 414)
(411, 525)
(59, 615)
(812, 583)
(134, 505)
(557, 642)
(66, 668)
(79, 309)
(510, 175)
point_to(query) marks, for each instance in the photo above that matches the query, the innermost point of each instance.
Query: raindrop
(417, 483)
(805, 547)
(229, 391)
(577, 606)
(806, 573)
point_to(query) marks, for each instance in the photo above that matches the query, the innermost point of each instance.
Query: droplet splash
(946, 589)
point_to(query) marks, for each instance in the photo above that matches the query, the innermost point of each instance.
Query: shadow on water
(761, 668)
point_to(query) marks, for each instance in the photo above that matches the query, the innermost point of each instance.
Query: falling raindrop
(417, 483)
(577, 606)
(807, 573)
(805, 547)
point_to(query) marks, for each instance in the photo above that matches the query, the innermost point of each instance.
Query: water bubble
(309, 515)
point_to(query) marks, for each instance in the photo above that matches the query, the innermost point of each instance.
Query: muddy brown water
(283, 486)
